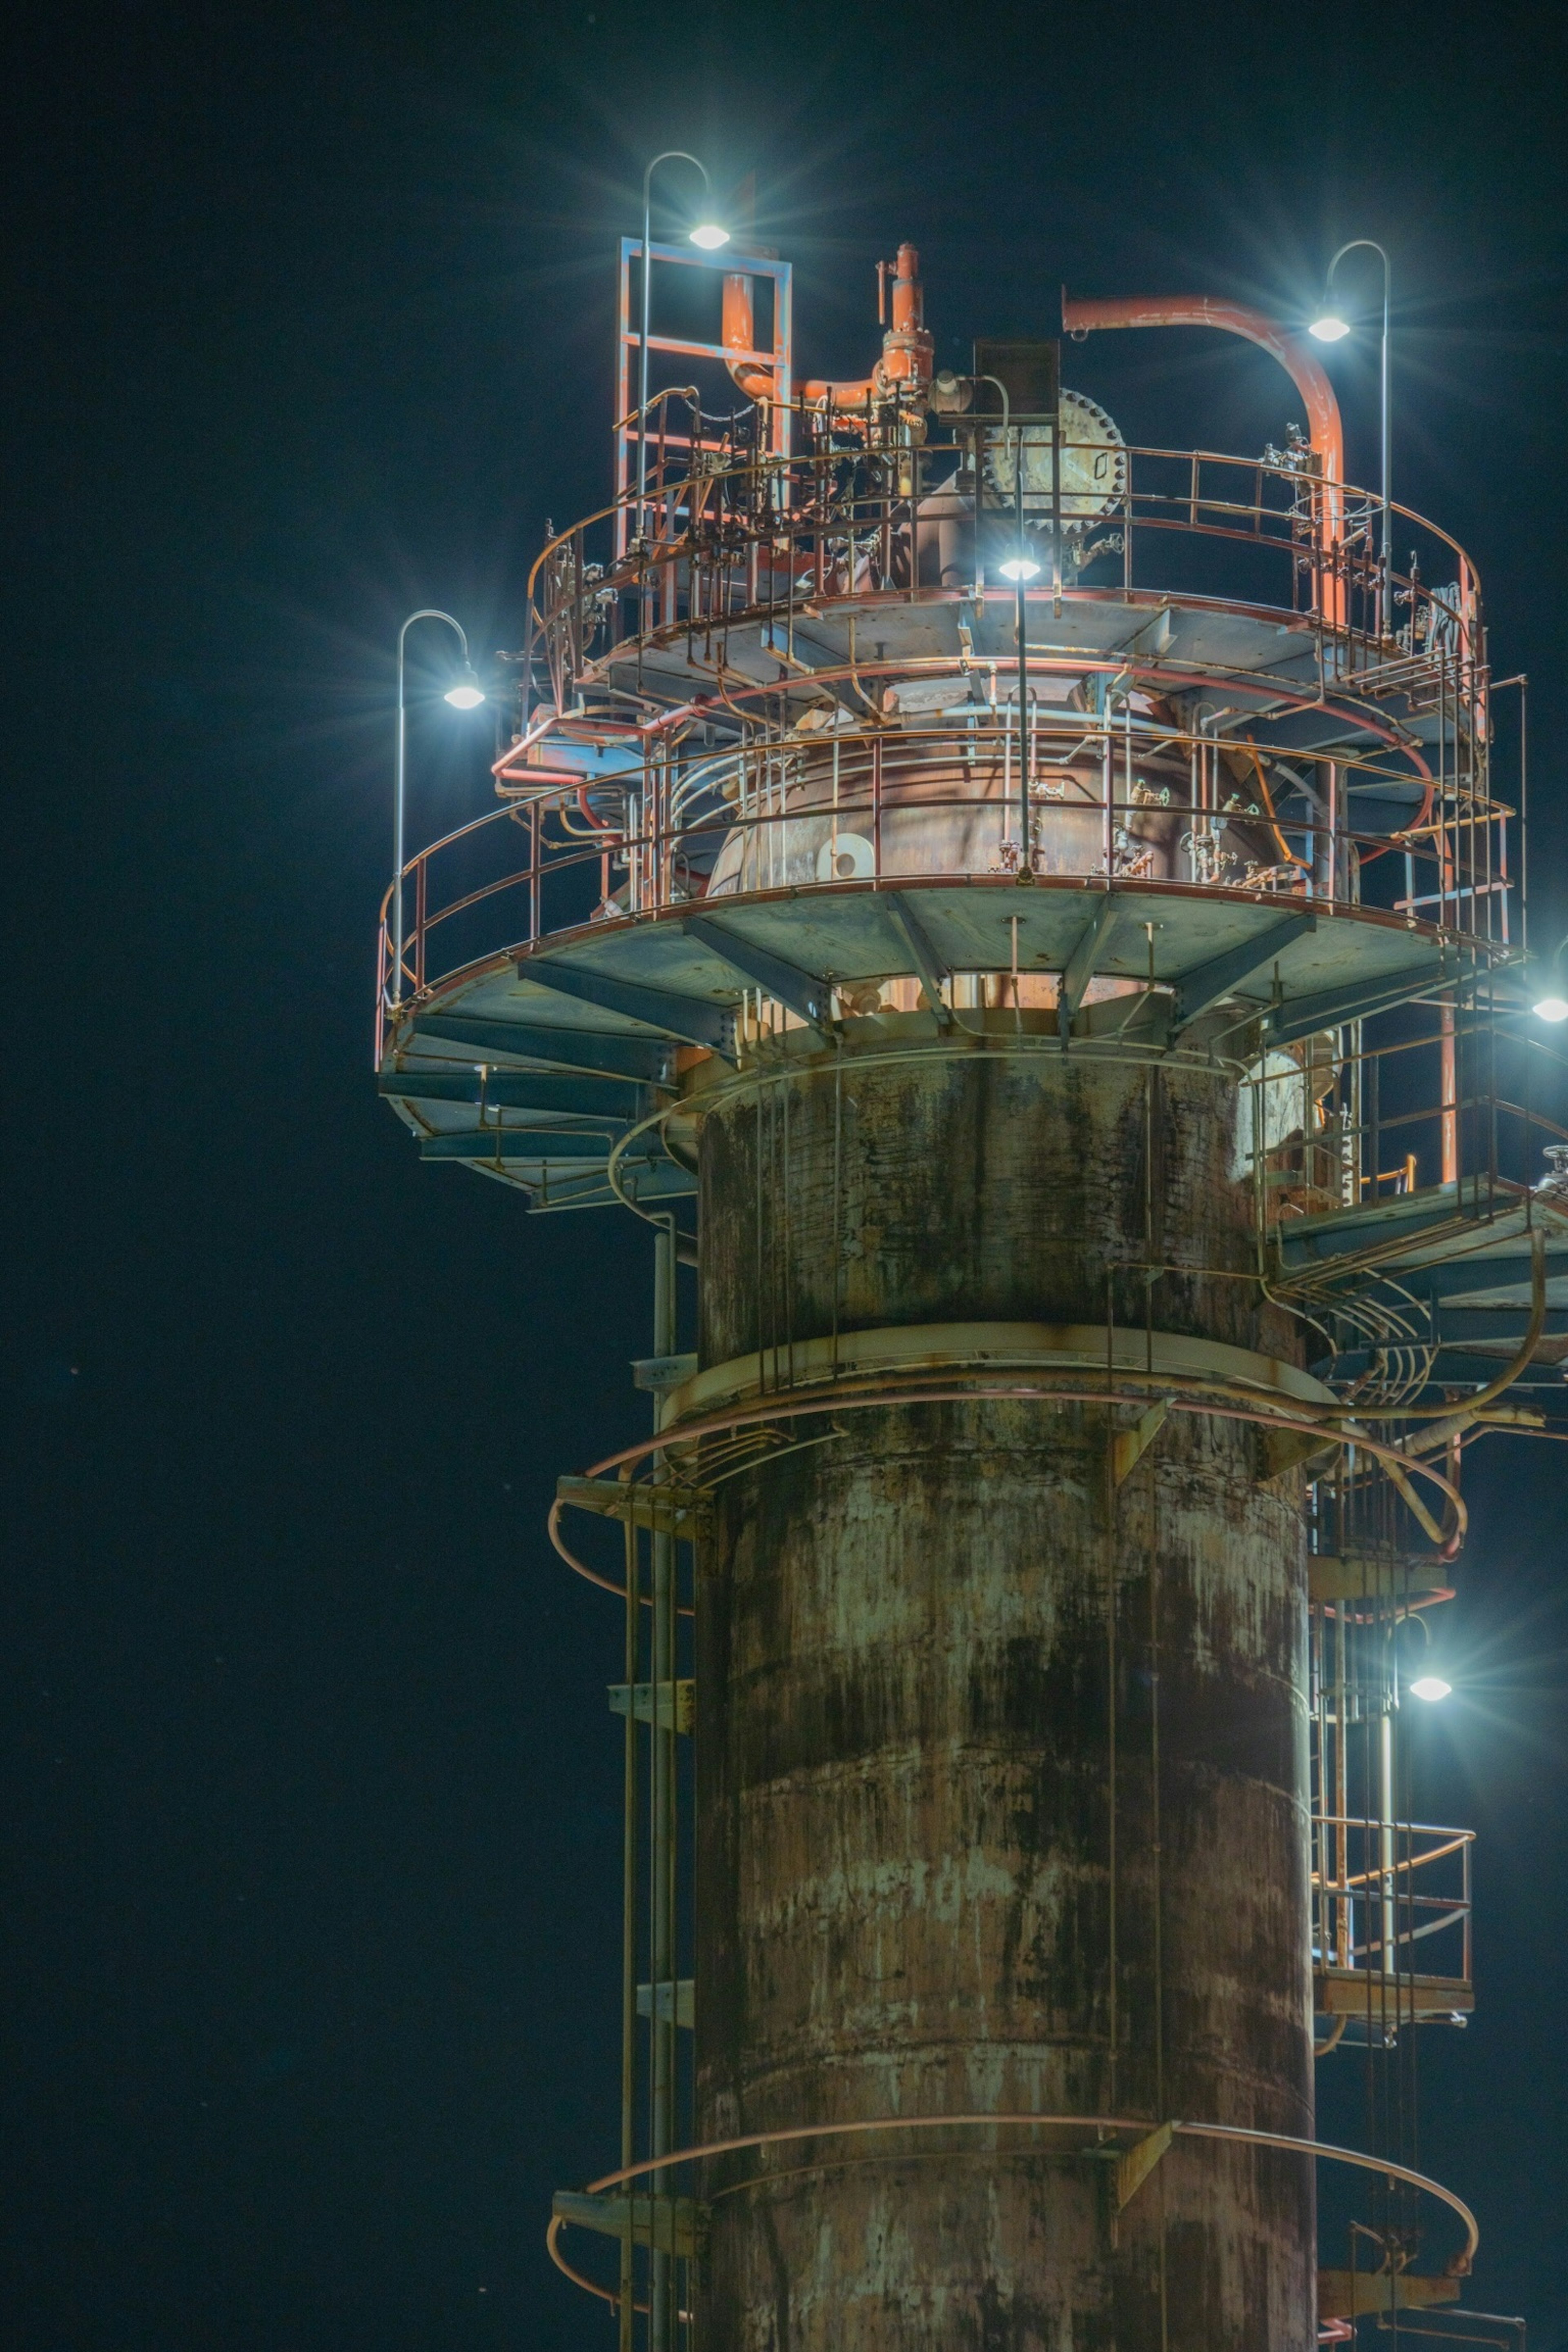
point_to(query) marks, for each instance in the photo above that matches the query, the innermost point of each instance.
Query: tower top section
(929, 696)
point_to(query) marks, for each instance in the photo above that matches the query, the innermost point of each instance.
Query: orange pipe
(1323, 427)
(1327, 434)
(907, 350)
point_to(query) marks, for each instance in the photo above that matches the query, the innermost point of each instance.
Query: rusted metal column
(1001, 1796)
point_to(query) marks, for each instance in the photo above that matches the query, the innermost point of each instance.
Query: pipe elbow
(756, 383)
(1081, 317)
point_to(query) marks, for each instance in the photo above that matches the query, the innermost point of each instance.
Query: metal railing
(725, 543)
(787, 814)
(1373, 1906)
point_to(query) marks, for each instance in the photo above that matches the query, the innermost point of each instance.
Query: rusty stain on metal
(932, 1842)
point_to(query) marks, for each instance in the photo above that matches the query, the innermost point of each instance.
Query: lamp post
(465, 693)
(1020, 568)
(709, 237)
(1331, 327)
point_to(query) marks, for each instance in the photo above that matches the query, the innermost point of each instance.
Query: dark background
(310, 1922)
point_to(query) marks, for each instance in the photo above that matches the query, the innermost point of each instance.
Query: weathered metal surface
(1001, 1765)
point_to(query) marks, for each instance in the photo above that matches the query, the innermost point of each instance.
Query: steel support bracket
(1332, 1576)
(802, 991)
(1134, 2168)
(670, 2225)
(1348, 2294)
(647, 1058)
(1130, 1446)
(612, 1103)
(668, 1509)
(668, 2001)
(499, 1142)
(1283, 1023)
(677, 1708)
(1289, 1449)
(1079, 970)
(929, 969)
(691, 1018)
(1222, 974)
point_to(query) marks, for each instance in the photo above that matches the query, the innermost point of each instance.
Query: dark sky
(309, 1918)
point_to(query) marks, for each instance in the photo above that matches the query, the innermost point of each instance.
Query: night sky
(311, 1850)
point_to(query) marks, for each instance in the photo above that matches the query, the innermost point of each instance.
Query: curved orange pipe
(1324, 429)
(1306, 374)
(905, 347)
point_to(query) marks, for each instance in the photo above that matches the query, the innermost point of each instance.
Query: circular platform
(531, 1064)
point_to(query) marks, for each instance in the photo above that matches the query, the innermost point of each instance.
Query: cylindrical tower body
(1001, 1763)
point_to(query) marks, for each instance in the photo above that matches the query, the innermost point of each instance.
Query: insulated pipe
(1323, 427)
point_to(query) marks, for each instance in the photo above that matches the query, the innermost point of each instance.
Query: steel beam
(605, 1098)
(1079, 970)
(518, 1143)
(802, 991)
(915, 940)
(1299, 1016)
(693, 1018)
(1222, 975)
(569, 1049)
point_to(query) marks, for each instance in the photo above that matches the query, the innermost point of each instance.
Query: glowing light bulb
(1329, 327)
(709, 236)
(465, 696)
(1551, 1008)
(1020, 567)
(1430, 1687)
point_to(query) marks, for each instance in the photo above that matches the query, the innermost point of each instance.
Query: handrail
(653, 842)
(760, 472)
(740, 2142)
(1457, 1840)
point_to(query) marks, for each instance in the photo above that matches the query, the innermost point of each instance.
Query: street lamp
(466, 694)
(709, 236)
(1330, 326)
(1020, 567)
(1430, 1687)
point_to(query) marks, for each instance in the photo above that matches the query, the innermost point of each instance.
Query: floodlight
(1551, 1008)
(1020, 568)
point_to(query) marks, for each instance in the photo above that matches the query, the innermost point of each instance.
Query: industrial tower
(1031, 923)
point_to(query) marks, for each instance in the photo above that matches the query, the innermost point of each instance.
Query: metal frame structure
(1281, 849)
(673, 450)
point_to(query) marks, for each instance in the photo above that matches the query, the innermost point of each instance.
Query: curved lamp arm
(669, 155)
(399, 790)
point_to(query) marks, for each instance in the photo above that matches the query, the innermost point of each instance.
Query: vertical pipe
(626, 2310)
(1345, 1933)
(1025, 843)
(642, 361)
(1057, 510)
(1385, 1833)
(1386, 612)
(1450, 1098)
(663, 1966)
(399, 807)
